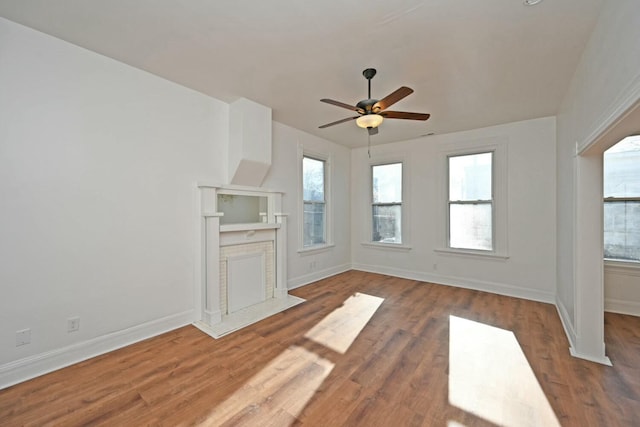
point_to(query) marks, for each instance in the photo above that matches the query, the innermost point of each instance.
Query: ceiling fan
(373, 111)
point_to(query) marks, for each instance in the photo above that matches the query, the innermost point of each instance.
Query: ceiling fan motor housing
(367, 106)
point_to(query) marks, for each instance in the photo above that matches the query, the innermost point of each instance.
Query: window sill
(472, 254)
(628, 268)
(315, 249)
(385, 246)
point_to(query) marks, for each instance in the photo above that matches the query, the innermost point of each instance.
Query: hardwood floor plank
(338, 360)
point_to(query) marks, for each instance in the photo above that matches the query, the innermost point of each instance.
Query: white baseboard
(570, 332)
(602, 360)
(567, 324)
(33, 366)
(296, 282)
(631, 308)
(478, 285)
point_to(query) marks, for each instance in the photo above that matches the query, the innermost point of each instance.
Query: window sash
(324, 180)
(470, 188)
(378, 233)
(490, 202)
(387, 204)
(474, 238)
(471, 202)
(375, 236)
(621, 199)
(617, 247)
(311, 236)
(388, 190)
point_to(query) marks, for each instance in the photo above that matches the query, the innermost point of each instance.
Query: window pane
(622, 230)
(312, 179)
(470, 226)
(387, 183)
(314, 214)
(622, 169)
(470, 177)
(387, 224)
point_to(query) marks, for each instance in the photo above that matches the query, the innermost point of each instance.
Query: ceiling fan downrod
(368, 74)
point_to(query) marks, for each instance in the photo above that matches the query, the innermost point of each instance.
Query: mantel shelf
(248, 227)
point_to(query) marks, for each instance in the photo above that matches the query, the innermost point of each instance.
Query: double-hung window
(622, 200)
(314, 202)
(386, 207)
(470, 201)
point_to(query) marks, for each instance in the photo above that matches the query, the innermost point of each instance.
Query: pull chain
(369, 144)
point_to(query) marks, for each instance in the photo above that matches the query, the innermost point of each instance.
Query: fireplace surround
(244, 263)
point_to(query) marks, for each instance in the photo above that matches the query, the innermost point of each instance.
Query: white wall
(622, 289)
(98, 164)
(605, 87)
(530, 269)
(284, 175)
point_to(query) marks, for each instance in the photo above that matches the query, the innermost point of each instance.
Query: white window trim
(626, 268)
(498, 146)
(406, 191)
(328, 199)
(391, 246)
(310, 250)
(471, 253)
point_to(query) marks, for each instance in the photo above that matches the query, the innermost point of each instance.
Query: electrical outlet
(23, 337)
(73, 324)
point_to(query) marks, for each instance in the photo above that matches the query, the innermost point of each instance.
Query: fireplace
(243, 235)
(247, 274)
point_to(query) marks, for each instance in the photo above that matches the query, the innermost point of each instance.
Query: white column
(589, 281)
(280, 290)
(212, 313)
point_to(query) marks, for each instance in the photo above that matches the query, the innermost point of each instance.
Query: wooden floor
(365, 349)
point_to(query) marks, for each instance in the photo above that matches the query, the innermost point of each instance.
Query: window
(622, 200)
(386, 204)
(473, 206)
(470, 210)
(314, 201)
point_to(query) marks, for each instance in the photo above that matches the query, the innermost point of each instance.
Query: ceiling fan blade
(338, 122)
(373, 131)
(404, 115)
(343, 105)
(391, 99)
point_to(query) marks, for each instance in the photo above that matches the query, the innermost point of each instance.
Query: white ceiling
(472, 63)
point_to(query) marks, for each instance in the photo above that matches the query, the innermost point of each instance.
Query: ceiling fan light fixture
(369, 121)
(531, 2)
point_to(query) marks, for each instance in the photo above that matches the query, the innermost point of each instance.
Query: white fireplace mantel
(242, 262)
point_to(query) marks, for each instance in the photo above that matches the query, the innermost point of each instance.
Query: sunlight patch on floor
(280, 391)
(339, 329)
(489, 376)
(275, 395)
